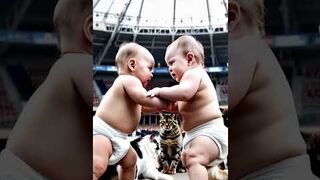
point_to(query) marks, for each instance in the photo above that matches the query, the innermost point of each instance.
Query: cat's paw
(166, 170)
(172, 170)
(182, 170)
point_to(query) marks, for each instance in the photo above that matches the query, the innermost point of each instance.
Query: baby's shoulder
(73, 63)
(195, 73)
(75, 59)
(127, 78)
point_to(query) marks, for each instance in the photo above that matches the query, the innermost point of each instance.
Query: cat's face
(167, 121)
(151, 143)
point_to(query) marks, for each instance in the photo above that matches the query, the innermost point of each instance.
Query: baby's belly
(251, 149)
(53, 155)
(193, 119)
(127, 125)
(124, 122)
(52, 146)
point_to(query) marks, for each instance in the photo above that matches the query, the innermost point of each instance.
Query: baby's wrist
(158, 92)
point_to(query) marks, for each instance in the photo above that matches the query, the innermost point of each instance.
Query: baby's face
(176, 62)
(144, 66)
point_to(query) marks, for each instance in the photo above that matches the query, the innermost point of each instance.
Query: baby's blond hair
(126, 51)
(189, 44)
(254, 11)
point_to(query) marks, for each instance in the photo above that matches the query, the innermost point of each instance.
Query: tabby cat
(170, 144)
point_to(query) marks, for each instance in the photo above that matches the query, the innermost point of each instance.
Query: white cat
(147, 149)
(218, 173)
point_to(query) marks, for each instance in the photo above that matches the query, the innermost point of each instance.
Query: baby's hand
(153, 92)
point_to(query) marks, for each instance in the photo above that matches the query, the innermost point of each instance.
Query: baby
(206, 139)
(51, 138)
(119, 112)
(265, 142)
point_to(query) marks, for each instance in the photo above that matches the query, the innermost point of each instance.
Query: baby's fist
(153, 92)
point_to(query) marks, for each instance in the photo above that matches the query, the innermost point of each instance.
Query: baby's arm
(81, 77)
(184, 91)
(240, 76)
(146, 109)
(138, 94)
(172, 107)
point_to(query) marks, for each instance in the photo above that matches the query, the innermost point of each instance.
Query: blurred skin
(52, 134)
(121, 108)
(263, 126)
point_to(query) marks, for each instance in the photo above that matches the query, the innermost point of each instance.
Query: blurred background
(28, 48)
(292, 31)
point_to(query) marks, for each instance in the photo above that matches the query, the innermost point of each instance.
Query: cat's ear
(137, 140)
(152, 136)
(174, 115)
(161, 115)
(178, 118)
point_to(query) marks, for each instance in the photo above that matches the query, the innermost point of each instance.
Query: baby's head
(183, 53)
(246, 15)
(74, 25)
(134, 59)
(187, 44)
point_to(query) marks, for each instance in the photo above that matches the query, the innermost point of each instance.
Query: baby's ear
(234, 15)
(88, 28)
(190, 57)
(131, 64)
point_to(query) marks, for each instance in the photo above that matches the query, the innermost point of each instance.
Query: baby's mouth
(173, 75)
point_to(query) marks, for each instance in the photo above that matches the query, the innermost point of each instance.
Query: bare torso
(52, 134)
(125, 114)
(201, 108)
(263, 125)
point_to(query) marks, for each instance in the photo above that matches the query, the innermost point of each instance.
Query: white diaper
(214, 129)
(13, 168)
(120, 144)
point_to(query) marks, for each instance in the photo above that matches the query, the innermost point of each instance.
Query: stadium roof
(156, 23)
(166, 15)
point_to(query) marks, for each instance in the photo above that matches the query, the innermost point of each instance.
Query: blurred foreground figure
(51, 139)
(265, 140)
